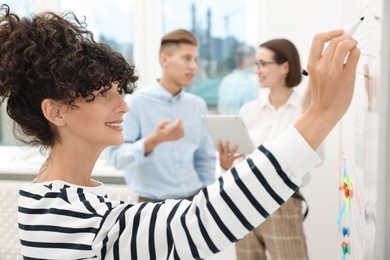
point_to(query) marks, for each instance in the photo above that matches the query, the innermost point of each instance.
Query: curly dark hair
(52, 56)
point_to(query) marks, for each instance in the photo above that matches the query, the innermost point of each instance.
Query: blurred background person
(240, 86)
(168, 152)
(278, 69)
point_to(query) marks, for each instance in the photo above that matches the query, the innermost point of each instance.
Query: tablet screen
(229, 128)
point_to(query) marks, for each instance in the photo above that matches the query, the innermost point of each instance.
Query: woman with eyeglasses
(278, 68)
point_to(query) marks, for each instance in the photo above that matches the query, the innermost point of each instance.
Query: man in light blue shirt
(241, 85)
(168, 152)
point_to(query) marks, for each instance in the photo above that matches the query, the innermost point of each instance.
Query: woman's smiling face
(97, 122)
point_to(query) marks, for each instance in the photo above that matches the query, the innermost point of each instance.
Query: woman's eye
(102, 93)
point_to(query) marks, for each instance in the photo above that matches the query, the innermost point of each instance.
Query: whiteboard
(360, 137)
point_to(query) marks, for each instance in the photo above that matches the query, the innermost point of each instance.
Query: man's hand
(164, 133)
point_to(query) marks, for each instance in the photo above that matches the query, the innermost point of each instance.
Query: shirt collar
(293, 100)
(164, 94)
(264, 101)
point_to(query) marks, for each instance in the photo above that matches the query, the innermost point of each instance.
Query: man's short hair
(176, 38)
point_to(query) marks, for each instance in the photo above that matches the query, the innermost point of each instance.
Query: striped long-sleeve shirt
(58, 220)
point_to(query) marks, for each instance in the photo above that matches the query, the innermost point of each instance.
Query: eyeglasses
(261, 64)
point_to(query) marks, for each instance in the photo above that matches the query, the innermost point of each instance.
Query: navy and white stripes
(58, 220)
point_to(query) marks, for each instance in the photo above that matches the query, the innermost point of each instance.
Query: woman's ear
(53, 111)
(286, 67)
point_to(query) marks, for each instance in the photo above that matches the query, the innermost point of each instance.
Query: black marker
(349, 30)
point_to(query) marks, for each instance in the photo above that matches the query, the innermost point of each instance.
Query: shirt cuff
(294, 154)
(139, 154)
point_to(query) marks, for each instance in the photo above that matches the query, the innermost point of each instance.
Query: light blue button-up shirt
(236, 89)
(175, 169)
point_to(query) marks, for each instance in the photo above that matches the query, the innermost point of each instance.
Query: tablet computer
(229, 128)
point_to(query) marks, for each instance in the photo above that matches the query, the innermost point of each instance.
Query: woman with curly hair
(64, 93)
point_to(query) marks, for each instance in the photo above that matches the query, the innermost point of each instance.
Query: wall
(147, 35)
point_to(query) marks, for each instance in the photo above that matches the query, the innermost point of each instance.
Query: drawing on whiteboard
(359, 137)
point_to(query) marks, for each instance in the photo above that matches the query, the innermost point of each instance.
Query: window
(110, 21)
(220, 27)
(22, 8)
